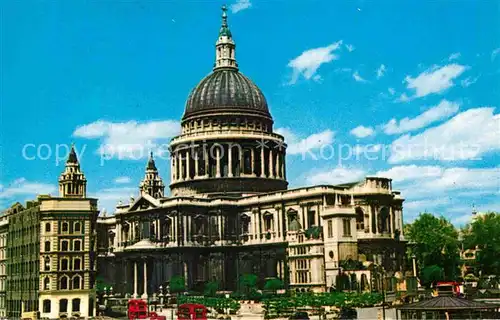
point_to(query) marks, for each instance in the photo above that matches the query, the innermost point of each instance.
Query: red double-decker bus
(191, 311)
(138, 309)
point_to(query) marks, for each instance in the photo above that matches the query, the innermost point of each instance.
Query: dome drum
(231, 159)
(223, 186)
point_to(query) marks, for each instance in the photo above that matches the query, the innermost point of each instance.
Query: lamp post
(161, 298)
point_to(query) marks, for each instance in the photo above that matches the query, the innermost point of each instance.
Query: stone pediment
(141, 245)
(144, 202)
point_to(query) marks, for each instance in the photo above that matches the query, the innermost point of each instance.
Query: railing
(226, 132)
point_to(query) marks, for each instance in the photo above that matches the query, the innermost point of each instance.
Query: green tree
(211, 288)
(484, 233)
(100, 284)
(273, 284)
(431, 274)
(248, 283)
(177, 284)
(434, 241)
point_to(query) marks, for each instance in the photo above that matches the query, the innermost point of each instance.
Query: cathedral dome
(226, 89)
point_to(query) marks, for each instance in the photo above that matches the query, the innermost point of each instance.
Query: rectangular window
(330, 228)
(346, 223)
(311, 218)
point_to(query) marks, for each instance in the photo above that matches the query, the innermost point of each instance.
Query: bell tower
(72, 182)
(152, 184)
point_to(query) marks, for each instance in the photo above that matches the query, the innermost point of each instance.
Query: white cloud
(350, 47)
(122, 180)
(297, 145)
(391, 91)
(403, 98)
(308, 62)
(434, 80)
(129, 140)
(336, 176)
(442, 190)
(443, 110)
(494, 53)
(240, 5)
(357, 77)
(411, 172)
(288, 134)
(381, 71)
(432, 179)
(23, 188)
(464, 137)
(367, 150)
(468, 81)
(454, 56)
(433, 182)
(317, 78)
(424, 205)
(362, 131)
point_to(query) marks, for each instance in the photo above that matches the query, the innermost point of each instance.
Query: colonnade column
(279, 164)
(217, 161)
(252, 161)
(185, 228)
(135, 280)
(174, 228)
(271, 163)
(145, 294)
(196, 163)
(230, 161)
(262, 164)
(219, 222)
(179, 166)
(188, 166)
(172, 170)
(284, 167)
(205, 156)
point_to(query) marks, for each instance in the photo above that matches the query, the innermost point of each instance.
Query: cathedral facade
(230, 211)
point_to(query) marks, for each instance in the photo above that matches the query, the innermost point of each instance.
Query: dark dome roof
(226, 90)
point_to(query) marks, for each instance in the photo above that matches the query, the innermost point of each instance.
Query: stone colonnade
(218, 160)
(142, 275)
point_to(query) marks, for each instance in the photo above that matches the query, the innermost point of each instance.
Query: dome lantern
(225, 47)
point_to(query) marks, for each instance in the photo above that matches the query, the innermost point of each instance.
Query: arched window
(268, 221)
(47, 227)
(76, 282)
(245, 224)
(64, 264)
(63, 284)
(77, 245)
(383, 221)
(64, 245)
(46, 306)
(46, 284)
(77, 227)
(75, 305)
(47, 246)
(63, 305)
(65, 227)
(360, 219)
(46, 264)
(77, 264)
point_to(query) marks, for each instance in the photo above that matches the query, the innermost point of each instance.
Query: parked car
(348, 313)
(300, 316)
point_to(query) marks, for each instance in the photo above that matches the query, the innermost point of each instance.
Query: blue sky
(404, 89)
